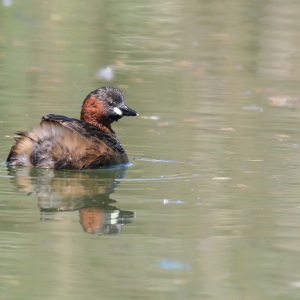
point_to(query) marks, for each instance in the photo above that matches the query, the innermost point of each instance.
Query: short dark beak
(127, 111)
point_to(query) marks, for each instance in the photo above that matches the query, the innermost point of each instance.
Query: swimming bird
(61, 142)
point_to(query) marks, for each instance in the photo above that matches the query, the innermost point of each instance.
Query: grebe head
(105, 104)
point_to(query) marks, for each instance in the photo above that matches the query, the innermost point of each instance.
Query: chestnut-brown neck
(93, 112)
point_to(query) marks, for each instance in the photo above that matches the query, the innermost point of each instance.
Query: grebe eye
(111, 104)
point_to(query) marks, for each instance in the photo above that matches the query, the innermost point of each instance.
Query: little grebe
(66, 143)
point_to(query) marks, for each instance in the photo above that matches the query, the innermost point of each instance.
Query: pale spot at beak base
(118, 111)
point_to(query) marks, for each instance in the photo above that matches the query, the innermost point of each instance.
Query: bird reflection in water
(87, 191)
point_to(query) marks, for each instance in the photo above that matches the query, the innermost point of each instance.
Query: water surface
(209, 207)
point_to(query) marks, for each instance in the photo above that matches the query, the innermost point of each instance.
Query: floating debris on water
(253, 107)
(106, 73)
(166, 201)
(222, 178)
(255, 160)
(242, 186)
(154, 118)
(228, 129)
(174, 265)
(6, 3)
(284, 101)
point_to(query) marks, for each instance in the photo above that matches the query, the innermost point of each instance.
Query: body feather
(65, 143)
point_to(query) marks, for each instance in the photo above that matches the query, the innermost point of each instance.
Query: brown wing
(64, 143)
